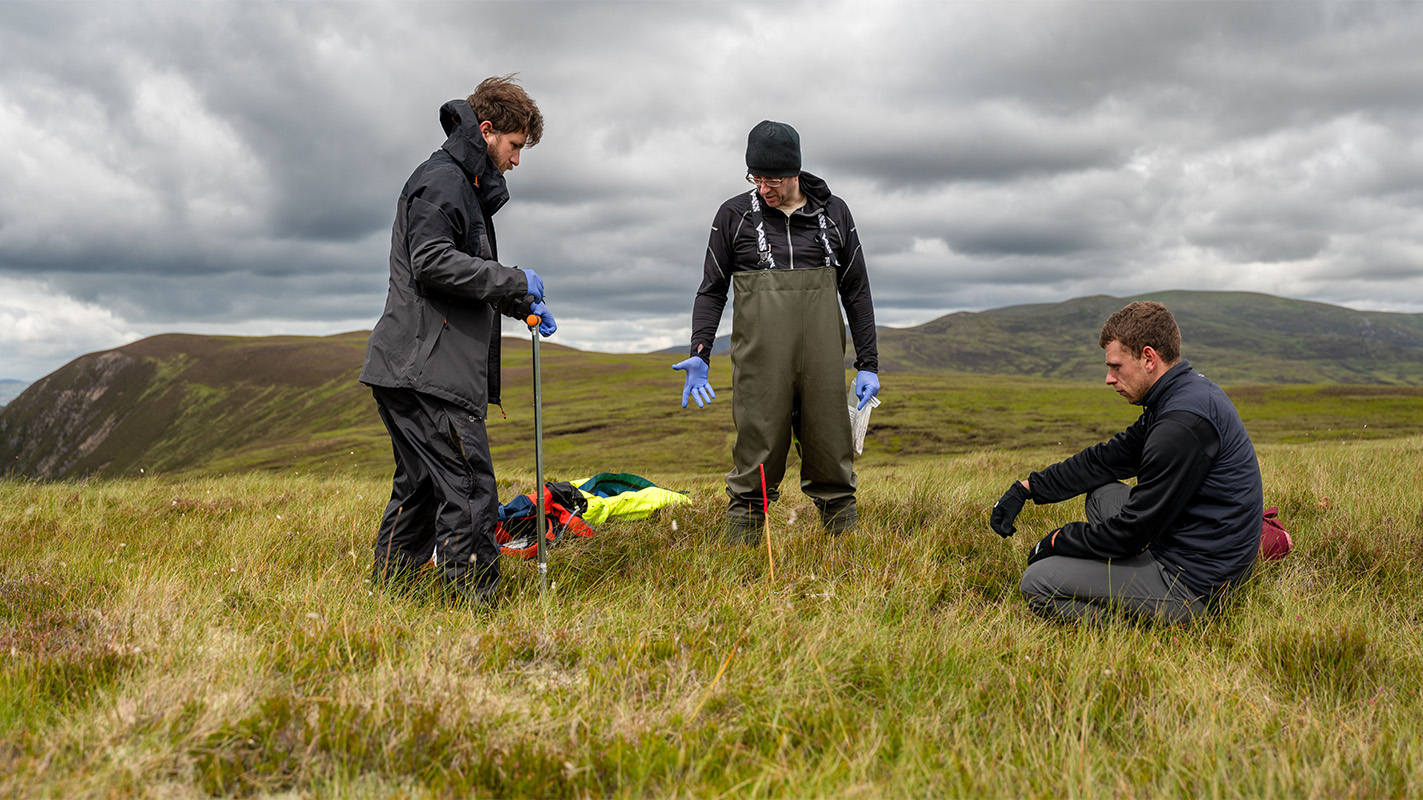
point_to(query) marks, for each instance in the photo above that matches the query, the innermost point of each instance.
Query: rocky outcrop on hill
(171, 402)
(65, 418)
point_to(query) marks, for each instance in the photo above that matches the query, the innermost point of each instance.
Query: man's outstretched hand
(697, 386)
(1007, 508)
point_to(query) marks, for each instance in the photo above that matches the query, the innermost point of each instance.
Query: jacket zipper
(790, 245)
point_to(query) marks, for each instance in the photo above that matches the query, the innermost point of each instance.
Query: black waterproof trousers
(788, 384)
(443, 494)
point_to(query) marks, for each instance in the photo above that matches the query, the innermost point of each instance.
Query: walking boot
(838, 518)
(395, 575)
(472, 588)
(745, 530)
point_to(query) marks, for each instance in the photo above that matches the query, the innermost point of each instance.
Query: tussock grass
(217, 636)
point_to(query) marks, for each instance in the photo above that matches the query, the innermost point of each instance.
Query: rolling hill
(180, 403)
(1234, 337)
(176, 400)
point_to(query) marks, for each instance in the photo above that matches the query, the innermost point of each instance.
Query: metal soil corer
(533, 322)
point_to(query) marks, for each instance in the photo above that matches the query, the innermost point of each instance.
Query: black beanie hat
(773, 150)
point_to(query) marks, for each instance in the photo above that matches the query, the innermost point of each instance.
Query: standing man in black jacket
(1187, 532)
(433, 358)
(790, 249)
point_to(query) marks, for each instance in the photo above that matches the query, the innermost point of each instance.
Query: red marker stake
(766, 512)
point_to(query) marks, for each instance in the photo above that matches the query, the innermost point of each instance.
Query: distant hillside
(720, 347)
(180, 403)
(212, 404)
(173, 401)
(1234, 337)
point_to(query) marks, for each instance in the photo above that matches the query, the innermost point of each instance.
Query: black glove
(1043, 549)
(1007, 508)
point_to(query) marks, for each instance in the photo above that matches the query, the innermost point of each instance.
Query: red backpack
(516, 530)
(1275, 541)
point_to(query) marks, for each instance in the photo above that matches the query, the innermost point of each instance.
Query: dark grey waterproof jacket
(439, 333)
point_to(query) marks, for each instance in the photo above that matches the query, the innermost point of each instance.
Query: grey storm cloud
(233, 166)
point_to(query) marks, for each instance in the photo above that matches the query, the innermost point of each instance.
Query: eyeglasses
(760, 181)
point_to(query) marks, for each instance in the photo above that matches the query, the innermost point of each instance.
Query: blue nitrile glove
(536, 284)
(697, 385)
(546, 324)
(866, 386)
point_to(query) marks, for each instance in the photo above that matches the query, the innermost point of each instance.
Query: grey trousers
(1138, 588)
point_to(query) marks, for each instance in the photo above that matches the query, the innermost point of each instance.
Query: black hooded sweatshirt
(794, 244)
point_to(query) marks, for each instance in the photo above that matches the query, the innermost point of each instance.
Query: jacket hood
(815, 188)
(466, 146)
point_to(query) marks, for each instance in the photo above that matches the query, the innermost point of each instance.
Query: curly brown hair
(1144, 324)
(503, 103)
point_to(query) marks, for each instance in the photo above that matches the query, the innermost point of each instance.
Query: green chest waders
(788, 380)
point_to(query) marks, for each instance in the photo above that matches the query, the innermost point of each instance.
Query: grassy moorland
(622, 413)
(202, 405)
(176, 636)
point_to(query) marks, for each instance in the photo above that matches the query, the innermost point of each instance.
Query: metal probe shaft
(533, 322)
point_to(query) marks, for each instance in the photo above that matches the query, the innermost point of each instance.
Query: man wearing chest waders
(790, 250)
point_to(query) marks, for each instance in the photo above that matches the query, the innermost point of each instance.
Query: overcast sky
(225, 167)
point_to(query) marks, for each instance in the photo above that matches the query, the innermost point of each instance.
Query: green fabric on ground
(631, 505)
(611, 483)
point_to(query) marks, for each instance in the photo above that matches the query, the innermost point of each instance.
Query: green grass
(622, 413)
(214, 635)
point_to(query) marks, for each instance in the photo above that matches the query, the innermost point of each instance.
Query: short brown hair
(1144, 324)
(503, 103)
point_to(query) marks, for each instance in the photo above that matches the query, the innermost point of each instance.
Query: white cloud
(638, 335)
(233, 167)
(40, 329)
(58, 184)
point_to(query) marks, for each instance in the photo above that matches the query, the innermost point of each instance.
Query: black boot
(745, 528)
(838, 518)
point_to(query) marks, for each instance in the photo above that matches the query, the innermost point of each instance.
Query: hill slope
(1234, 337)
(174, 401)
(180, 403)
(200, 404)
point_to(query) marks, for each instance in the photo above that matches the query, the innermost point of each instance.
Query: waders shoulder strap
(824, 237)
(763, 248)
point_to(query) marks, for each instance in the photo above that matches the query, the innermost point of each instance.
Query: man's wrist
(702, 351)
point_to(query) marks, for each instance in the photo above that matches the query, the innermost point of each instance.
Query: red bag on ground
(516, 529)
(1275, 542)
